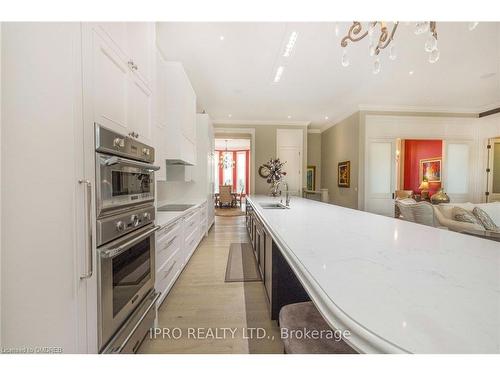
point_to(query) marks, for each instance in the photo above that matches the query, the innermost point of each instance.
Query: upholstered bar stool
(304, 316)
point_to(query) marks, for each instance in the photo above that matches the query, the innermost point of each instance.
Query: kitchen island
(398, 287)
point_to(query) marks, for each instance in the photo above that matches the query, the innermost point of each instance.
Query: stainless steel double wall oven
(125, 239)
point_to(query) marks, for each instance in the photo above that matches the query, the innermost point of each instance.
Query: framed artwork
(430, 170)
(344, 174)
(311, 177)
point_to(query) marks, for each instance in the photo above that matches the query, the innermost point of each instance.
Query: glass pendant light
(393, 52)
(434, 55)
(376, 66)
(372, 48)
(345, 58)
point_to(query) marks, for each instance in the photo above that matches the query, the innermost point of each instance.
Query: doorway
(232, 165)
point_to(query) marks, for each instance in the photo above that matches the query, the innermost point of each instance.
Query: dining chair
(225, 196)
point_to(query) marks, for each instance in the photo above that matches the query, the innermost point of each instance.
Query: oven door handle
(132, 163)
(112, 252)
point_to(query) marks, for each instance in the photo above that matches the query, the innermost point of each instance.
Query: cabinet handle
(167, 245)
(88, 200)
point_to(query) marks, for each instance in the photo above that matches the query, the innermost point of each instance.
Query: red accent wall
(414, 151)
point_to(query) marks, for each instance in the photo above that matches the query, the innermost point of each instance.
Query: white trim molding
(259, 122)
(411, 108)
(314, 131)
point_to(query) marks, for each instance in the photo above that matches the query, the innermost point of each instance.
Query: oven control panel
(112, 227)
(113, 143)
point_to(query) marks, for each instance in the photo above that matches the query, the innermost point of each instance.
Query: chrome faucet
(287, 196)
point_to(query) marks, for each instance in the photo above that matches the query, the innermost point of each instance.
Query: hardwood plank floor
(200, 299)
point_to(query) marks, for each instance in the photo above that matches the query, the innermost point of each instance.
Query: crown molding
(314, 131)
(418, 109)
(259, 123)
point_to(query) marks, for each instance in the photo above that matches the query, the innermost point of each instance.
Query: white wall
(0, 183)
(473, 130)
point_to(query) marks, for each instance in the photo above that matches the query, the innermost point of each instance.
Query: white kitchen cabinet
(44, 253)
(176, 242)
(122, 97)
(176, 111)
(140, 38)
(140, 103)
(110, 85)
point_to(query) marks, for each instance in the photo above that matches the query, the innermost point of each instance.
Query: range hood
(178, 162)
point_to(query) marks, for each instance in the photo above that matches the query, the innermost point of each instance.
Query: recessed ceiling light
(291, 43)
(279, 72)
(411, 72)
(326, 117)
(289, 116)
(221, 37)
(229, 115)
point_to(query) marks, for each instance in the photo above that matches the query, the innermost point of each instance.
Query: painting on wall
(430, 170)
(344, 174)
(311, 177)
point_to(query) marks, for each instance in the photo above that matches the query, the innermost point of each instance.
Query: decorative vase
(273, 191)
(440, 197)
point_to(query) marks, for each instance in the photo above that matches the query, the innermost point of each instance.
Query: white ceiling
(233, 77)
(232, 144)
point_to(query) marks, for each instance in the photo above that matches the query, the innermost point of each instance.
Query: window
(241, 171)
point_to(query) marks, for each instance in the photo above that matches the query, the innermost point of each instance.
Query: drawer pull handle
(167, 245)
(167, 272)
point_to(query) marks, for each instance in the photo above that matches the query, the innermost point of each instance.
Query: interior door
(289, 150)
(458, 166)
(380, 170)
(494, 176)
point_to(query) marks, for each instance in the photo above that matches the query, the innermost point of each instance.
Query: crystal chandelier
(381, 36)
(225, 161)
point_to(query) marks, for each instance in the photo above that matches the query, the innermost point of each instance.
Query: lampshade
(424, 185)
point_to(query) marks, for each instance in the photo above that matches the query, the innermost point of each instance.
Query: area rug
(234, 211)
(241, 264)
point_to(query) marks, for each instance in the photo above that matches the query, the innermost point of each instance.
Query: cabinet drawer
(167, 247)
(166, 275)
(192, 223)
(192, 240)
(168, 231)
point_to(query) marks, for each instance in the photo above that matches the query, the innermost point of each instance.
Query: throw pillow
(461, 214)
(485, 219)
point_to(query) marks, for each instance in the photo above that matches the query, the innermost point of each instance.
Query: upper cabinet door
(110, 83)
(161, 82)
(140, 38)
(140, 109)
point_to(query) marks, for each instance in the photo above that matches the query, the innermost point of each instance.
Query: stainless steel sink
(276, 206)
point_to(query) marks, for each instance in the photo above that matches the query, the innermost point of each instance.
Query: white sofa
(444, 215)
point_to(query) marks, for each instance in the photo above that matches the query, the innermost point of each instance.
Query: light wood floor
(201, 299)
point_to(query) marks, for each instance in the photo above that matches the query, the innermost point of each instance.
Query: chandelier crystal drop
(345, 58)
(376, 65)
(393, 52)
(434, 56)
(473, 25)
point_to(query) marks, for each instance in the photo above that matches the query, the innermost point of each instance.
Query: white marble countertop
(166, 217)
(399, 287)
